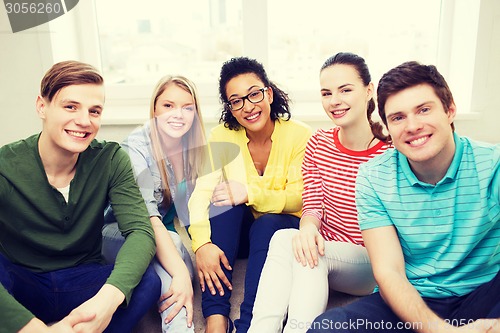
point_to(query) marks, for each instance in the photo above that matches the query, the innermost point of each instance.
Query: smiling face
(254, 117)
(420, 126)
(174, 111)
(72, 119)
(344, 95)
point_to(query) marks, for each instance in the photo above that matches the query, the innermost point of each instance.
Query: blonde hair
(193, 141)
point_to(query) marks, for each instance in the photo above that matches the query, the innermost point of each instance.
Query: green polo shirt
(42, 232)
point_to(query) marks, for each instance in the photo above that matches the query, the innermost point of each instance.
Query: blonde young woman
(167, 154)
(327, 250)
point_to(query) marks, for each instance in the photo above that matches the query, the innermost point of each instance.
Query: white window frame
(75, 36)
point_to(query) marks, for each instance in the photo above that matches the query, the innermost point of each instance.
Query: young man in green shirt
(54, 187)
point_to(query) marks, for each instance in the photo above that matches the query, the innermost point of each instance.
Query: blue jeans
(371, 313)
(53, 295)
(237, 234)
(112, 242)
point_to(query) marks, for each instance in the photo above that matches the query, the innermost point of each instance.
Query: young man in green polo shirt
(54, 187)
(429, 212)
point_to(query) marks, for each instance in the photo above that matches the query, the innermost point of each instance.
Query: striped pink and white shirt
(329, 171)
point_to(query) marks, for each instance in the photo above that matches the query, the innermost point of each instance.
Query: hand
(180, 294)
(229, 193)
(307, 244)
(103, 305)
(63, 326)
(208, 262)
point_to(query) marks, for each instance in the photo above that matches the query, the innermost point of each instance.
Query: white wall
(25, 56)
(23, 60)
(486, 83)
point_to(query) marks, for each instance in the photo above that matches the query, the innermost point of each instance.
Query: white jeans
(287, 285)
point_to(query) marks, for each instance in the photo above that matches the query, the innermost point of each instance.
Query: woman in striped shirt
(328, 250)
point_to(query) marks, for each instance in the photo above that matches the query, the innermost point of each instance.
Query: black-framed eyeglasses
(255, 96)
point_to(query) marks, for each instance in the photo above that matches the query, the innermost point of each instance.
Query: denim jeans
(237, 234)
(113, 240)
(371, 312)
(53, 295)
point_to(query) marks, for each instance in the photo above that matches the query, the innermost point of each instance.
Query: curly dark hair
(280, 108)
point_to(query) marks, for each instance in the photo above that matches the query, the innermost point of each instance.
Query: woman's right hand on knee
(209, 258)
(307, 244)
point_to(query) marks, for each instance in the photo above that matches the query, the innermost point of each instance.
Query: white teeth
(252, 117)
(418, 141)
(77, 134)
(338, 112)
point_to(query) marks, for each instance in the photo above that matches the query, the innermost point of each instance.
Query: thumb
(224, 261)
(76, 317)
(321, 244)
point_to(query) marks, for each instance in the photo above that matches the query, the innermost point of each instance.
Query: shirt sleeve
(136, 147)
(371, 211)
(133, 220)
(199, 205)
(312, 197)
(13, 315)
(495, 183)
(222, 153)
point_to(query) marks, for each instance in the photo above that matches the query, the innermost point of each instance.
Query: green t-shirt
(42, 232)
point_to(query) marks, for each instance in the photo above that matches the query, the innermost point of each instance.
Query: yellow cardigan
(279, 190)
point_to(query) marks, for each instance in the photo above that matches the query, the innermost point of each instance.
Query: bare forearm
(166, 251)
(389, 269)
(407, 303)
(35, 325)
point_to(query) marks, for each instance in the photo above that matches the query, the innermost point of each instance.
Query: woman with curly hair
(255, 190)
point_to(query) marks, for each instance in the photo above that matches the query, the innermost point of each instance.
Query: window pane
(385, 32)
(140, 43)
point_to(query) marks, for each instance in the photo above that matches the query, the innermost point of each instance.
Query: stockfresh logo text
(28, 14)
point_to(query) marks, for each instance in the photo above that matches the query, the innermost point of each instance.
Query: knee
(176, 239)
(226, 212)
(151, 280)
(266, 225)
(5, 279)
(112, 241)
(282, 239)
(111, 232)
